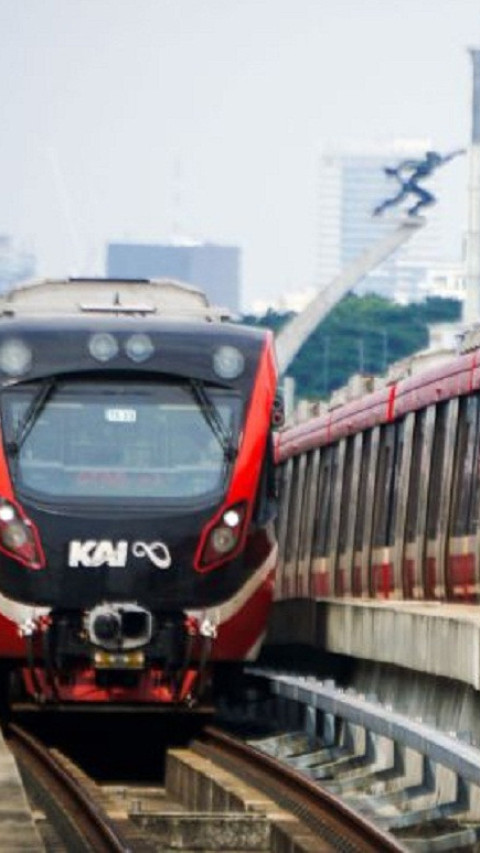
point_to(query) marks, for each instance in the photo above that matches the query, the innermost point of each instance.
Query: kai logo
(93, 553)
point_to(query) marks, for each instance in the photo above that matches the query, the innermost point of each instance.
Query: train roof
(48, 328)
(138, 297)
(458, 376)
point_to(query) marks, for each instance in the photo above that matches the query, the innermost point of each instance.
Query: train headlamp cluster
(104, 347)
(223, 538)
(19, 537)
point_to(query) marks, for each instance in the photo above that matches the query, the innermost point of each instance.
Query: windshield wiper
(34, 409)
(214, 419)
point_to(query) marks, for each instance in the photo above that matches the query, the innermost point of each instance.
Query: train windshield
(111, 439)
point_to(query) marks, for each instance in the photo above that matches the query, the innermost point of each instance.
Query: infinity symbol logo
(157, 553)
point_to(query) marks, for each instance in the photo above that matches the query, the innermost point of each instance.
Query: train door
(461, 578)
(417, 502)
(307, 521)
(439, 496)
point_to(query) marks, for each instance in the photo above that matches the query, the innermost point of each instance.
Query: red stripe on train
(237, 635)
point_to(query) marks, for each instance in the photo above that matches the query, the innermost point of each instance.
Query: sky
(148, 120)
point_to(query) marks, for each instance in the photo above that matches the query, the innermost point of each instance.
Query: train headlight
(231, 518)
(19, 537)
(14, 535)
(222, 538)
(102, 346)
(7, 513)
(139, 347)
(15, 357)
(228, 362)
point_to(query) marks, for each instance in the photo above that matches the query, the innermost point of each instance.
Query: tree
(360, 335)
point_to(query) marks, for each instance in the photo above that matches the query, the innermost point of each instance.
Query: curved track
(85, 824)
(254, 796)
(325, 814)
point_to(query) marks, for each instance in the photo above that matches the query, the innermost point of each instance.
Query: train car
(380, 496)
(137, 503)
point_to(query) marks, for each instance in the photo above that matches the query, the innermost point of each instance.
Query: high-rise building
(213, 268)
(352, 183)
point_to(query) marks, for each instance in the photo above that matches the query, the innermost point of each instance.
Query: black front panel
(121, 465)
(146, 558)
(119, 477)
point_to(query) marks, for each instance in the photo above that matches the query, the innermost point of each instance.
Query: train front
(136, 505)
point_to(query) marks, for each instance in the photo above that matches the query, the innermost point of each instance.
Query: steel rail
(319, 808)
(84, 814)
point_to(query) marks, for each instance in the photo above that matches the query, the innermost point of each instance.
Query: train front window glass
(118, 440)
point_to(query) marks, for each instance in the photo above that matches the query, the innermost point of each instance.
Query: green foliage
(360, 335)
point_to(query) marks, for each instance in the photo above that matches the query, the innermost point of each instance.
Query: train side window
(308, 506)
(436, 474)
(465, 476)
(399, 433)
(382, 519)
(473, 494)
(362, 491)
(346, 494)
(328, 463)
(266, 504)
(415, 473)
(295, 496)
(284, 489)
(474, 507)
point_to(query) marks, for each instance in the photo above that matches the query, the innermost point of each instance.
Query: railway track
(418, 783)
(218, 794)
(65, 802)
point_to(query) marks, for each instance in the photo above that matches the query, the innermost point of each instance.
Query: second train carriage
(380, 497)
